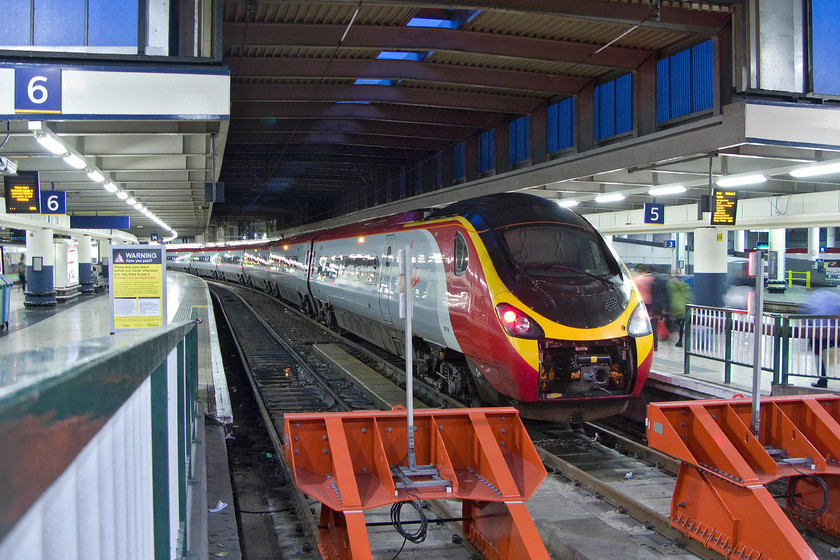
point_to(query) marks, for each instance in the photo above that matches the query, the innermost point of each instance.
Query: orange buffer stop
(721, 499)
(356, 461)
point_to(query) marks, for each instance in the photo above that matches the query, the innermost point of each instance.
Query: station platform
(188, 299)
(88, 317)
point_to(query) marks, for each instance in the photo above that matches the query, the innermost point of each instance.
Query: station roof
(327, 97)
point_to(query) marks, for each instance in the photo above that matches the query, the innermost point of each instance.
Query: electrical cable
(804, 510)
(417, 536)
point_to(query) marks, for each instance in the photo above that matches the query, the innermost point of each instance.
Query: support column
(813, 243)
(85, 277)
(829, 237)
(102, 263)
(777, 239)
(40, 261)
(709, 266)
(740, 238)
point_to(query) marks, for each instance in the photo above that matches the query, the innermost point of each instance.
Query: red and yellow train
(517, 301)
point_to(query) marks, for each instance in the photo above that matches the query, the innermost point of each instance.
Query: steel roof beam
(359, 126)
(430, 39)
(353, 69)
(392, 113)
(511, 105)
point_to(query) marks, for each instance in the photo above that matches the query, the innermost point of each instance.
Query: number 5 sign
(53, 202)
(37, 89)
(654, 213)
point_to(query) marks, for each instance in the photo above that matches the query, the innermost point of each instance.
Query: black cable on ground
(804, 510)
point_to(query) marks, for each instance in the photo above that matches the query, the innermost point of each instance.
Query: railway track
(615, 491)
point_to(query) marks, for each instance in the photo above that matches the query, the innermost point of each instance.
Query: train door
(388, 272)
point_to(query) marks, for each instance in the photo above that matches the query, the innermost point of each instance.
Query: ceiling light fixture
(131, 202)
(95, 176)
(568, 202)
(51, 144)
(611, 197)
(110, 187)
(122, 195)
(664, 191)
(75, 161)
(138, 207)
(741, 180)
(816, 170)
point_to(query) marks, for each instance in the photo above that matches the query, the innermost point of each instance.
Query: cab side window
(462, 255)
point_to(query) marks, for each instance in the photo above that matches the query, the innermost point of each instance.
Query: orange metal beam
(720, 497)
(350, 463)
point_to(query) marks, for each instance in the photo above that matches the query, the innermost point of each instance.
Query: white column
(777, 240)
(40, 260)
(709, 266)
(60, 267)
(829, 237)
(813, 243)
(740, 238)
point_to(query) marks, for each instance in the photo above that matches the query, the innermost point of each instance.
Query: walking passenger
(679, 295)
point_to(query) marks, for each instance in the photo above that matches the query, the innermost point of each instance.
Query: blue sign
(53, 202)
(99, 222)
(155, 237)
(671, 244)
(38, 89)
(654, 213)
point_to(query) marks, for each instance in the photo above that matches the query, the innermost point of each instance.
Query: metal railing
(795, 275)
(98, 447)
(792, 345)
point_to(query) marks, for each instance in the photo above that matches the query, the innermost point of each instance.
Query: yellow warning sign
(137, 288)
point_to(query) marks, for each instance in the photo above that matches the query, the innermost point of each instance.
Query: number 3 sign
(37, 89)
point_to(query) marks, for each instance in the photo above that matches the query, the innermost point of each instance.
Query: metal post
(406, 312)
(757, 331)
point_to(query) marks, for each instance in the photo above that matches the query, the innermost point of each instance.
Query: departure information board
(725, 205)
(22, 193)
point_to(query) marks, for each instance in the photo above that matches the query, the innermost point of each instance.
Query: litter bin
(5, 301)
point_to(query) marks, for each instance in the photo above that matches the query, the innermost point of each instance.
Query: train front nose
(591, 369)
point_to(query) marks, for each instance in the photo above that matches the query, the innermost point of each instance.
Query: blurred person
(824, 301)
(21, 270)
(679, 295)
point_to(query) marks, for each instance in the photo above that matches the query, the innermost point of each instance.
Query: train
(517, 301)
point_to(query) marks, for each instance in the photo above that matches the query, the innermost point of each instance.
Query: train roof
(495, 211)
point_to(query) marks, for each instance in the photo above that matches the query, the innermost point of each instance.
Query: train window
(462, 255)
(557, 251)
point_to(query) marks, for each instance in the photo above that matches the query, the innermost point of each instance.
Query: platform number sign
(53, 202)
(38, 89)
(654, 213)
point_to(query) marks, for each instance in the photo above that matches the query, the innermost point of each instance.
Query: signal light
(516, 323)
(753, 263)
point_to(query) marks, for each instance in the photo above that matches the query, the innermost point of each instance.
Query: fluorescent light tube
(110, 187)
(815, 170)
(95, 176)
(122, 195)
(741, 180)
(75, 161)
(52, 145)
(612, 197)
(664, 191)
(131, 202)
(568, 202)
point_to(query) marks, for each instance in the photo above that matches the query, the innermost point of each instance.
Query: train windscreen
(557, 251)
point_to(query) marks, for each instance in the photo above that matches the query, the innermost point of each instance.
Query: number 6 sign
(53, 202)
(38, 89)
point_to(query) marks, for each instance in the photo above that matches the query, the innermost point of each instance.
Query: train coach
(517, 301)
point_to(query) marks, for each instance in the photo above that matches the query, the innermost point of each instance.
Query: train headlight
(639, 323)
(516, 323)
